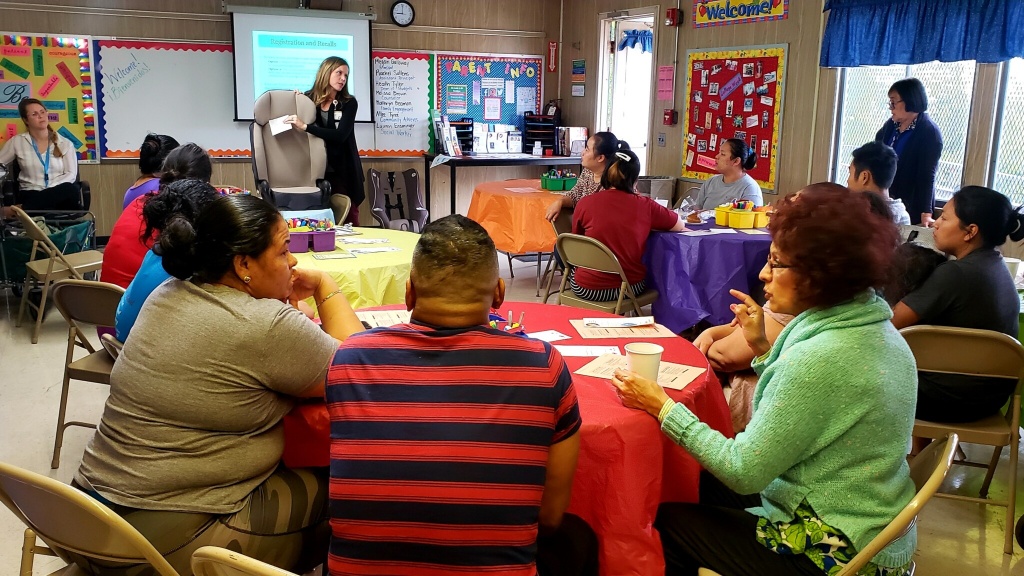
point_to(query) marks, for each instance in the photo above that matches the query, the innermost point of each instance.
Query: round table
(512, 212)
(626, 467)
(369, 279)
(693, 274)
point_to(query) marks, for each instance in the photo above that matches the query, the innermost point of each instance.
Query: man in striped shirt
(451, 442)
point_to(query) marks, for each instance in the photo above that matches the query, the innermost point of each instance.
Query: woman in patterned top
(597, 157)
(821, 468)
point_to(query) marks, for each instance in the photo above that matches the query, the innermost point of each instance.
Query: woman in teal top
(821, 468)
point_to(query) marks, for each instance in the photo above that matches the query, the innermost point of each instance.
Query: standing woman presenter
(335, 124)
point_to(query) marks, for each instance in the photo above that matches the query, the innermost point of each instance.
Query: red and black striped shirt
(439, 445)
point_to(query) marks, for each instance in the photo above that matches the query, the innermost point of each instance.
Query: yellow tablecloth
(514, 219)
(369, 279)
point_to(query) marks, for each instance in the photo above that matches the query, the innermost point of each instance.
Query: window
(1008, 175)
(863, 110)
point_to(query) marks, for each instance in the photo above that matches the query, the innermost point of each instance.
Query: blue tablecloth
(693, 274)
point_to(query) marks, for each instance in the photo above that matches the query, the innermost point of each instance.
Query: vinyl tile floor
(954, 537)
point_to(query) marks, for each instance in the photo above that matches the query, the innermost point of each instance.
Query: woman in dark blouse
(918, 143)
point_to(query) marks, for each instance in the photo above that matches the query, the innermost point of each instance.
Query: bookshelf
(541, 128)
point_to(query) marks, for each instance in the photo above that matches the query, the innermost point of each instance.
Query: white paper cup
(1013, 265)
(644, 358)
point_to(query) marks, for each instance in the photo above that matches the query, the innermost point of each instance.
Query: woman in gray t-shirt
(189, 446)
(732, 181)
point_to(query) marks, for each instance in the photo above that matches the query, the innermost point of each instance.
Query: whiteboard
(182, 90)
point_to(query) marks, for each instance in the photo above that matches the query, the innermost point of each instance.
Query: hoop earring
(247, 279)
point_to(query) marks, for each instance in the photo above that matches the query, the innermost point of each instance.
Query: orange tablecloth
(515, 220)
(626, 468)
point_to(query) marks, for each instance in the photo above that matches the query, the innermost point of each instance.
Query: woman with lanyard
(48, 166)
(335, 124)
(918, 143)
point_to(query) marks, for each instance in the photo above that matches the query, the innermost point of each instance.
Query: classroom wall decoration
(723, 12)
(184, 90)
(734, 93)
(403, 94)
(497, 89)
(58, 71)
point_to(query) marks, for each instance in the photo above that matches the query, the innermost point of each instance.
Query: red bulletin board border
(737, 82)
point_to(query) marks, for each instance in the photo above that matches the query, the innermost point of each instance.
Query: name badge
(337, 115)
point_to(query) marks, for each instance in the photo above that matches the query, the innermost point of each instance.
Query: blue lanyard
(46, 164)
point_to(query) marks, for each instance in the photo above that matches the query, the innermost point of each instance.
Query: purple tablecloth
(693, 274)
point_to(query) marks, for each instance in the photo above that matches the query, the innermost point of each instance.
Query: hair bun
(176, 245)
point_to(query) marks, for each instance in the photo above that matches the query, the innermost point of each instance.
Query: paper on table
(364, 240)
(579, 351)
(373, 250)
(670, 375)
(523, 190)
(377, 318)
(709, 232)
(549, 336)
(753, 231)
(277, 125)
(619, 322)
(637, 332)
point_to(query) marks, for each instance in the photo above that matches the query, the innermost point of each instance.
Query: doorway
(627, 72)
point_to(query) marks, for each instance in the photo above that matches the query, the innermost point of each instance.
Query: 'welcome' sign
(722, 12)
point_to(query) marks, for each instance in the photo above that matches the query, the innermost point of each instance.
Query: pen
(521, 316)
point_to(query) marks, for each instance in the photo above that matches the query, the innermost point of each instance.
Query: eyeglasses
(776, 265)
(893, 103)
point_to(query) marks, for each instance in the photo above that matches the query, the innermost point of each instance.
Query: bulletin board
(403, 95)
(58, 71)
(734, 93)
(491, 89)
(183, 90)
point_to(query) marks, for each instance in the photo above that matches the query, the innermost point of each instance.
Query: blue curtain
(630, 39)
(883, 32)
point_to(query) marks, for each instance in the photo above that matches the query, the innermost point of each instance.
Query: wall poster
(734, 93)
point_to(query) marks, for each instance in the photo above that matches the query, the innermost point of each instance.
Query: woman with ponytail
(973, 291)
(598, 155)
(732, 181)
(47, 162)
(621, 219)
(155, 147)
(189, 446)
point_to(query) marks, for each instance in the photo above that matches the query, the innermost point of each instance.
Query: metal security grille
(1008, 176)
(864, 109)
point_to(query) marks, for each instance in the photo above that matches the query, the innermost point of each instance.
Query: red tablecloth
(627, 467)
(515, 220)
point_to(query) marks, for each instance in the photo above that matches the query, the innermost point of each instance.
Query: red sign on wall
(552, 56)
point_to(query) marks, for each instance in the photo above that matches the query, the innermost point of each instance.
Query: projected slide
(289, 61)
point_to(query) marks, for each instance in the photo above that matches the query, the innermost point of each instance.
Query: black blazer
(342, 152)
(915, 173)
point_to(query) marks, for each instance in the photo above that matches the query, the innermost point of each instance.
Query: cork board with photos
(734, 93)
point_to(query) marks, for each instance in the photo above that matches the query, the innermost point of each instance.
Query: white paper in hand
(278, 125)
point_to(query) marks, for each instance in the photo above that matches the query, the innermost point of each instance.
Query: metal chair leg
(24, 301)
(40, 311)
(27, 554)
(58, 440)
(997, 451)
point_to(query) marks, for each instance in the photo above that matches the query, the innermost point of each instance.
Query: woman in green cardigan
(821, 467)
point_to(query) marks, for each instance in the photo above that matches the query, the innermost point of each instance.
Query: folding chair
(949, 350)
(214, 561)
(56, 266)
(582, 252)
(83, 302)
(69, 521)
(928, 469)
(561, 225)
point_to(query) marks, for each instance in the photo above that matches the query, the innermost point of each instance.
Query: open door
(627, 74)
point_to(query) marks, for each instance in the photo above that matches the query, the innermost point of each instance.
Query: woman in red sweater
(620, 219)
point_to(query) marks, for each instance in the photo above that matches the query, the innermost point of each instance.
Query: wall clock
(402, 13)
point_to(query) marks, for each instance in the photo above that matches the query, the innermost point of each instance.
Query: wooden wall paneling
(825, 125)
(802, 31)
